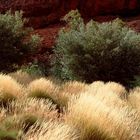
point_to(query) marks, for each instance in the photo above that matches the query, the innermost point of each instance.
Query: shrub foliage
(14, 45)
(107, 51)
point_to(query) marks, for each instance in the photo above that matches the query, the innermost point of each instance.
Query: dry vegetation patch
(73, 110)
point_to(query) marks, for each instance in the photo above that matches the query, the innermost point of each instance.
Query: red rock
(44, 12)
(135, 25)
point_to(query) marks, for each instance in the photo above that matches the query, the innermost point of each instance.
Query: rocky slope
(44, 12)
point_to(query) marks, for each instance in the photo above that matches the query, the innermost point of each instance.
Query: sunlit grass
(73, 110)
(42, 88)
(9, 89)
(22, 77)
(37, 108)
(117, 89)
(11, 127)
(134, 98)
(51, 131)
(68, 90)
(96, 120)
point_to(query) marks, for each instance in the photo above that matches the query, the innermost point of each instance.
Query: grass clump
(22, 77)
(117, 89)
(30, 109)
(21, 115)
(95, 120)
(73, 87)
(96, 111)
(134, 98)
(111, 93)
(11, 127)
(51, 131)
(9, 89)
(95, 86)
(69, 89)
(42, 88)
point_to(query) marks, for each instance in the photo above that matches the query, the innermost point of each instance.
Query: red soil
(49, 35)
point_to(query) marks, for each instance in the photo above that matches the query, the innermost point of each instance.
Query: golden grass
(11, 127)
(2, 114)
(9, 88)
(22, 77)
(39, 108)
(42, 88)
(96, 120)
(11, 123)
(51, 131)
(107, 96)
(68, 111)
(134, 98)
(69, 89)
(95, 86)
(20, 115)
(100, 87)
(117, 89)
(73, 87)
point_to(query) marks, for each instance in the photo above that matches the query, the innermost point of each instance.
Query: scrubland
(37, 108)
(50, 101)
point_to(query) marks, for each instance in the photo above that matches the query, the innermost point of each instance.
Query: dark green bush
(135, 82)
(15, 41)
(96, 51)
(33, 69)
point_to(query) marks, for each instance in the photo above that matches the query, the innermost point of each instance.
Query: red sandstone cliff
(44, 12)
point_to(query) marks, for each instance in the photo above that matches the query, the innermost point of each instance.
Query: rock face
(44, 12)
(135, 25)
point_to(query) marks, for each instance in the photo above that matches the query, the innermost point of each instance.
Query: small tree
(96, 51)
(14, 45)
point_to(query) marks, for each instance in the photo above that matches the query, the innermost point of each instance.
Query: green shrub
(15, 40)
(107, 51)
(135, 82)
(33, 69)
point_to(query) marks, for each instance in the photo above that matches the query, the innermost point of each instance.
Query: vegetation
(35, 107)
(96, 111)
(33, 69)
(96, 51)
(9, 89)
(14, 45)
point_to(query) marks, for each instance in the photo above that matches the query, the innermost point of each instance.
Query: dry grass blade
(51, 131)
(73, 87)
(39, 108)
(134, 98)
(96, 120)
